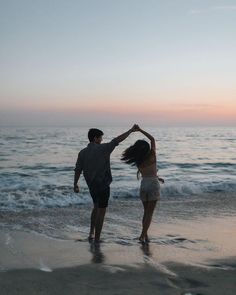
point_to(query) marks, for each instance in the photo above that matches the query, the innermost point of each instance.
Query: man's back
(94, 161)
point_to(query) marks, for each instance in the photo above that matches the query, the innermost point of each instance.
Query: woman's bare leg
(147, 218)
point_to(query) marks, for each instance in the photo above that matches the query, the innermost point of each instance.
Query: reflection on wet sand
(146, 250)
(97, 254)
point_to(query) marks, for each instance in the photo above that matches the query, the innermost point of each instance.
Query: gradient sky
(71, 62)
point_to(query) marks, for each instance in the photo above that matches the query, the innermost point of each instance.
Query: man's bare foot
(90, 238)
(97, 242)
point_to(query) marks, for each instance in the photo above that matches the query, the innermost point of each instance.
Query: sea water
(37, 165)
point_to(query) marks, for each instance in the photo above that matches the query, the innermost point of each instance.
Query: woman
(144, 157)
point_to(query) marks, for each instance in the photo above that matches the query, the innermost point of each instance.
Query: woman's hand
(136, 127)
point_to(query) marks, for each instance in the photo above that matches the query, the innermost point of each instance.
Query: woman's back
(148, 168)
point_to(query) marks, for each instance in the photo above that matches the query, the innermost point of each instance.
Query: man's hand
(123, 136)
(161, 180)
(76, 188)
(132, 129)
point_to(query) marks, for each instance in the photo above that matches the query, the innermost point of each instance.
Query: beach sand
(98, 279)
(194, 256)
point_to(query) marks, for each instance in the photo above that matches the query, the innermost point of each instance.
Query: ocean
(194, 220)
(37, 165)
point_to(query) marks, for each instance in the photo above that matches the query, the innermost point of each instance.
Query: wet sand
(97, 279)
(194, 257)
(192, 250)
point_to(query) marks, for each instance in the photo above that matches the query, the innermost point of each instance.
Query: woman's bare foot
(142, 240)
(147, 240)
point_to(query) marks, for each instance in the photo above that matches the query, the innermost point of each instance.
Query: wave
(30, 197)
(45, 197)
(190, 189)
(44, 167)
(190, 165)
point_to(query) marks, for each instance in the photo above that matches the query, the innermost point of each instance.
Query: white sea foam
(44, 267)
(113, 269)
(8, 239)
(63, 197)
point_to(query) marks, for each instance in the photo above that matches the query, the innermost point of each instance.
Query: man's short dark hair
(93, 132)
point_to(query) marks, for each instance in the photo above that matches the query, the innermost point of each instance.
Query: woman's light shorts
(149, 189)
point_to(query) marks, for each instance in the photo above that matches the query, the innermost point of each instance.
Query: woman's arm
(149, 136)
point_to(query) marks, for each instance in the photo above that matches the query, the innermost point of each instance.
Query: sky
(115, 62)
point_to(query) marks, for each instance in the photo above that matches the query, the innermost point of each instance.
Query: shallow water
(64, 231)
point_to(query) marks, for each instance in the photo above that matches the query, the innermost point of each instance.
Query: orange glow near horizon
(196, 107)
(168, 111)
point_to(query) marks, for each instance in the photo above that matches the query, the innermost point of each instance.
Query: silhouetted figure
(94, 162)
(142, 155)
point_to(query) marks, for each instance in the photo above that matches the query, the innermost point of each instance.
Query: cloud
(194, 106)
(214, 8)
(224, 7)
(196, 11)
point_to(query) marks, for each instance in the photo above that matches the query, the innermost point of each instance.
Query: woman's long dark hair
(136, 154)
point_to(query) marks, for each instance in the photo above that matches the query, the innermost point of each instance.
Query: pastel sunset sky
(72, 62)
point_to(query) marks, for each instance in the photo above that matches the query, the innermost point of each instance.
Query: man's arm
(109, 147)
(123, 136)
(78, 170)
(76, 179)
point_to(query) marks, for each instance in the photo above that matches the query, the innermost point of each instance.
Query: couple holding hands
(94, 162)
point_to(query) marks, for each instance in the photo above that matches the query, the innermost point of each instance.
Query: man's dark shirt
(94, 161)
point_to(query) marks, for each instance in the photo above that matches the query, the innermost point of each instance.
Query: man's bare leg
(99, 223)
(92, 222)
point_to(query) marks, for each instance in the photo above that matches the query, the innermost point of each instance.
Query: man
(94, 162)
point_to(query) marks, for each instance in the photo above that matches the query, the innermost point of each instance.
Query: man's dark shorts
(100, 196)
